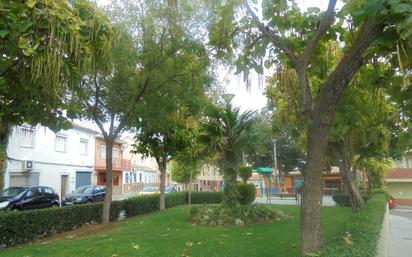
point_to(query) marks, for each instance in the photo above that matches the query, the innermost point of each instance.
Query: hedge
(20, 227)
(363, 230)
(247, 193)
(343, 200)
(206, 197)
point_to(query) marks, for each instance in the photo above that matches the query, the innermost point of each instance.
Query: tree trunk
(4, 139)
(311, 206)
(355, 197)
(109, 178)
(189, 200)
(162, 182)
(230, 193)
(369, 179)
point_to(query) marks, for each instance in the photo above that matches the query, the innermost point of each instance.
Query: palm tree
(229, 133)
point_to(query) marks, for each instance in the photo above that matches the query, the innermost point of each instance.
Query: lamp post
(275, 161)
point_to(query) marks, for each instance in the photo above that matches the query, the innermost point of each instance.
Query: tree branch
(139, 95)
(332, 90)
(275, 39)
(324, 25)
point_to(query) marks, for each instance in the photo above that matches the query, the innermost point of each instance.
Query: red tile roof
(400, 173)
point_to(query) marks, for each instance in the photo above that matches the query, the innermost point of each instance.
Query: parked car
(149, 191)
(85, 194)
(392, 202)
(29, 197)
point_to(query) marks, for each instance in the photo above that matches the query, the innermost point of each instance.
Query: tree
(245, 172)
(228, 133)
(44, 45)
(288, 38)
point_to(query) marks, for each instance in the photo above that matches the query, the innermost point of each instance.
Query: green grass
(169, 233)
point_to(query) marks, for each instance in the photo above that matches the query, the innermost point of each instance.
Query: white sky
(253, 98)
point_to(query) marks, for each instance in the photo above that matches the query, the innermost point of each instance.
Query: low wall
(383, 243)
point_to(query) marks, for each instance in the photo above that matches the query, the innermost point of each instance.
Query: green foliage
(20, 227)
(229, 134)
(44, 47)
(217, 215)
(206, 197)
(181, 170)
(245, 172)
(367, 222)
(343, 200)
(247, 193)
(157, 230)
(26, 226)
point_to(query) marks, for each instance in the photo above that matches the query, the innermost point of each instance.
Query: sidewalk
(326, 201)
(400, 232)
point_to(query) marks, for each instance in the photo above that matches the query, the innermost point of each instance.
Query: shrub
(247, 193)
(19, 227)
(245, 173)
(206, 197)
(176, 199)
(217, 215)
(343, 200)
(363, 230)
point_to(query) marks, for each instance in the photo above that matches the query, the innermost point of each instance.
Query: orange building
(119, 164)
(332, 182)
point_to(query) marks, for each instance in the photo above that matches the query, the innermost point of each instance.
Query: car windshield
(149, 189)
(12, 191)
(84, 190)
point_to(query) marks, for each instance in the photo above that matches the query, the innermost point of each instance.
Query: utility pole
(275, 161)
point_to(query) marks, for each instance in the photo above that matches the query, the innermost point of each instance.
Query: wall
(400, 190)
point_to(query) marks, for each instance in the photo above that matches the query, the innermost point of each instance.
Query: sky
(252, 98)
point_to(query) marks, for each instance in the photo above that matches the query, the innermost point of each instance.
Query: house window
(27, 136)
(60, 144)
(115, 153)
(140, 177)
(409, 160)
(83, 146)
(102, 151)
(127, 178)
(134, 177)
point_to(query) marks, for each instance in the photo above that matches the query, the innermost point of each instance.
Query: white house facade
(38, 156)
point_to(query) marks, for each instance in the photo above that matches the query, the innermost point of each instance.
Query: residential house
(209, 179)
(399, 180)
(38, 156)
(119, 164)
(143, 171)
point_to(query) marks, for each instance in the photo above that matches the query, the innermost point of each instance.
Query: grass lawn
(169, 234)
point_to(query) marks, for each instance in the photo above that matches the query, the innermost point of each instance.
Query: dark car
(29, 197)
(85, 194)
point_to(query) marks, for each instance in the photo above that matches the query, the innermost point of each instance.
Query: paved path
(326, 201)
(400, 232)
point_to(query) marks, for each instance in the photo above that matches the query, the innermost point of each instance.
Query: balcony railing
(118, 164)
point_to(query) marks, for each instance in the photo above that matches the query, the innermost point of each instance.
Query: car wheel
(14, 209)
(89, 201)
(54, 205)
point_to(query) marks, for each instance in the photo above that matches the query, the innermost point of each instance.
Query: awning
(264, 170)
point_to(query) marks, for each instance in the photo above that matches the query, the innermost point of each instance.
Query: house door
(63, 185)
(83, 178)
